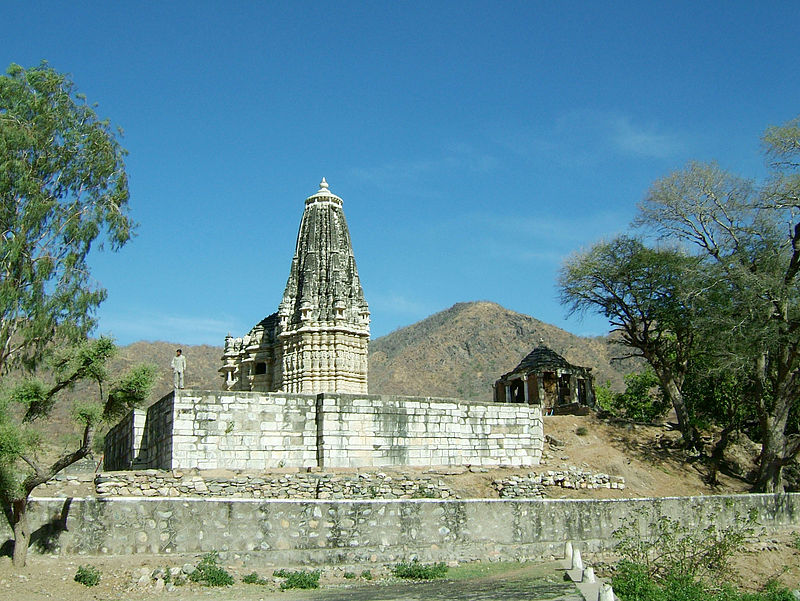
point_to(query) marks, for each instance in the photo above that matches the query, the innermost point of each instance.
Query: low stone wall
(362, 485)
(286, 531)
(533, 485)
(261, 431)
(153, 483)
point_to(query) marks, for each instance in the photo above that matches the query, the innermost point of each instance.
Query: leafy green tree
(25, 407)
(728, 294)
(647, 295)
(749, 237)
(63, 189)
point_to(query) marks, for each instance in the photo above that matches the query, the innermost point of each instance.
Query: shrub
(253, 578)
(209, 573)
(281, 573)
(676, 563)
(420, 571)
(671, 549)
(582, 431)
(604, 397)
(631, 583)
(366, 575)
(300, 579)
(643, 399)
(349, 575)
(88, 576)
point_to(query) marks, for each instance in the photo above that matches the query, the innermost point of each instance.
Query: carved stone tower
(317, 340)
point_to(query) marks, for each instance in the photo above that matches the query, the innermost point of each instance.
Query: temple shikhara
(317, 339)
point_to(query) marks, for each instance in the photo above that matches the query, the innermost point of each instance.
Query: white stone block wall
(123, 442)
(243, 430)
(157, 440)
(261, 431)
(371, 431)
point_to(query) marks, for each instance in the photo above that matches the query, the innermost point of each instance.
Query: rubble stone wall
(152, 483)
(260, 431)
(329, 531)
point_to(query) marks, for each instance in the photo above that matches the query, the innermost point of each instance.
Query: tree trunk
(717, 455)
(770, 474)
(773, 455)
(22, 533)
(690, 436)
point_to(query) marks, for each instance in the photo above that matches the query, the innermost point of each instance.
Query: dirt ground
(648, 457)
(49, 577)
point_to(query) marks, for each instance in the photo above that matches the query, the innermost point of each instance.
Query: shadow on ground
(517, 585)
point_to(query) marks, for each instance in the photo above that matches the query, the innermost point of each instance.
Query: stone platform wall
(327, 531)
(389, 431)
(258, 431)
(123, 442)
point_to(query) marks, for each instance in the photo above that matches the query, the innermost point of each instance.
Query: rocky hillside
(461, 351)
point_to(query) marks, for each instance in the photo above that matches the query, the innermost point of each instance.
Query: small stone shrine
(545, 378)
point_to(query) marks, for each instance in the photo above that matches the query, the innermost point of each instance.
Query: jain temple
(294, 389)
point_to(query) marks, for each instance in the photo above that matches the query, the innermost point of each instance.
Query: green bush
(253, 578)
(300, 579)
(643, 399)
(631, 583)
(420, 571)
(350, 575)
(679, 563)
(88, 576)
(366, 575)
(582, 431)
(604, 397)
(209, 573)
(672, 549)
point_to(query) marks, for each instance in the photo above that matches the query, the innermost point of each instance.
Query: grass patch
(253, 578)
(484, 569)
(209, 573)
(415, 570)
(88, 576)
(299, 579)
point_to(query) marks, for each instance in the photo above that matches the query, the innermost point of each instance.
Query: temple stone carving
(317, 339)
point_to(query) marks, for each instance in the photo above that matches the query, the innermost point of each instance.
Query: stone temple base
(257, 431)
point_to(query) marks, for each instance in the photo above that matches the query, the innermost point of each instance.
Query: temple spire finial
(323, 185)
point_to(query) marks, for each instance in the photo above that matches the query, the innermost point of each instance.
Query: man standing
(178, 367)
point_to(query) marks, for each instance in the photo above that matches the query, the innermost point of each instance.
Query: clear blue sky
(475, 144)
